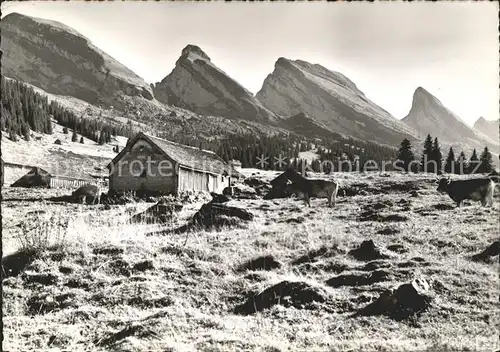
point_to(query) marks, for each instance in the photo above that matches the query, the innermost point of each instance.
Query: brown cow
(479, 189)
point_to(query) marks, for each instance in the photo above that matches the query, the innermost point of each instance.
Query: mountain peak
(197, 84)
(421, 97)
(480, 120)
(428, 115)
(487, 127)
(328, 97)
(422, 92)
(194, 52)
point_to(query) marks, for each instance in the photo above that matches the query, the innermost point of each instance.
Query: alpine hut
(157, 165)
(40, 177)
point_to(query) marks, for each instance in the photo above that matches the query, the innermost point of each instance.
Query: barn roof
(186, 156)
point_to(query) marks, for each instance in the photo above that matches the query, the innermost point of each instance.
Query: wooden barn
(153, 164)
(40, 177)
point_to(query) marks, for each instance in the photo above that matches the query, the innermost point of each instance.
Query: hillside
(331, 99)
(58, 59)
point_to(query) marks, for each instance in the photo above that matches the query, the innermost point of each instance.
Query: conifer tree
(427, 154)
(473, 161)
(405, 154)
(485, 162)
(436, 156)
(450, 164)
(462, 166)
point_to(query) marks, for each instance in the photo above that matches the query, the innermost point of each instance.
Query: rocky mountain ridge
(330, 98)
(428, 115)
(198, 85)
(59, 60)
(488, 127)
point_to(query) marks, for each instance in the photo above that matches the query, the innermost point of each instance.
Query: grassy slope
(184, 301)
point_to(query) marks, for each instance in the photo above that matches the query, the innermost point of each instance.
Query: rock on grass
(15, 263)
(286, 293)
(409, 299)
(486, 256)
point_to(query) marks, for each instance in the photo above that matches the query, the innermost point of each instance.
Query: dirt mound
(267, 262)
(45, 279)
(380, 205)
(119, 267)
(216, 216)
(359, 279)
(407, 300)
(315, 254)
(161, 212)
(368, 251)
(487, 255)
(13, 264)
(144, 265)
(286, 293)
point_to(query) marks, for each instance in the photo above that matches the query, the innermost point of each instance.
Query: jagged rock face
(429, 116)
(198, 85)
(331, 99)
(488, 127)
(59, 60)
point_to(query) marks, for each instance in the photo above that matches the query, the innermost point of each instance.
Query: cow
(308, 188)
(479, 189)
(88, 190)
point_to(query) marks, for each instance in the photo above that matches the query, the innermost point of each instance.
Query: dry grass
(113, 287)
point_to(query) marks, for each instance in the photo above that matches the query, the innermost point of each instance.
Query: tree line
(24, 110)
(282, 150)
(432, 159)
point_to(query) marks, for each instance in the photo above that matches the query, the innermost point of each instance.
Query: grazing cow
(308, 188)
(479, 189)
(88, 190)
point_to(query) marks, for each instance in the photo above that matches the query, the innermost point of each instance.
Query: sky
(387, 49)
